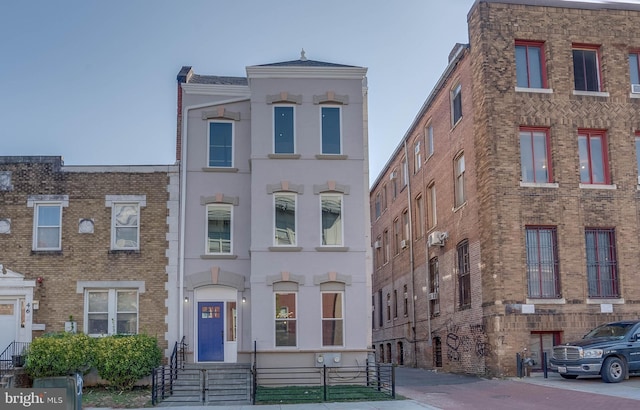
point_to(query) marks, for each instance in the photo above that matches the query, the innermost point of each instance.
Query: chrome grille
(567, 352)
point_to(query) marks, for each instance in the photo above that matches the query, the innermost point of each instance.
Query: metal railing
(12, 357)
(162, 377)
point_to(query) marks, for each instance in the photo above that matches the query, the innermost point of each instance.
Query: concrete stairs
(211, 384)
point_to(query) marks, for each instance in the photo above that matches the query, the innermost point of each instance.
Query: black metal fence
(162, 377)
(373, 381)
(13, 356)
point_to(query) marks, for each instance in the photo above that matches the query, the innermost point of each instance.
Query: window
(417, 157)
(331, 130)
(373, 311)
(220, 144)
(530, 65)
(285, 219)
(47, 235)
(456, 104)
(431, 206)
(125, 226)
(634, 71)
(397, 235)
(388, 306)
(285, 319)
(405, 307)
(542, 262)
(380, 314)
(405, 225)
(459, 169)
(378, 248)
(331, 205)
(419, 228)
(464, 274)
(218, 229)
(385, 245)
(332, 319)
(586, 68)
(593, 157)
(395, 303)
(384, 197)
(638, 155)
(283, 122)
(394, 179)
(405, 172)
(434, 287)
(602, 265)
(429, 138)
(535, 155)
(111, 311)
(378, 205)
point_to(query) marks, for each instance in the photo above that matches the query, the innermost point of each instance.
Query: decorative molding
(109, 200)
(331, 97)
(284, 97)
(219, 198)
(33, 199)
(5, 226)
(331, 277)
(331, 186)
(332, 249)
(5, 181)
(221, 113)
(332, 156)
(86, 225)
(219, 169)
(285, 186)
(81, 285)
(285, 277)
(283, 156)
(285, 248)
(219, 256)
(215, 276)
(217, 89)
(345, 73)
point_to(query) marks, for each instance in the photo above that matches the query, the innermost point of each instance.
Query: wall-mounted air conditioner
(377, 245)
(437, 238)
(403, 244)
(635, 88)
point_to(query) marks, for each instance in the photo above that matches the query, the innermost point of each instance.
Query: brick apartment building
(92, 245)
(508, 216)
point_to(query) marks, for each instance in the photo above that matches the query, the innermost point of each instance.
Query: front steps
(211, 384)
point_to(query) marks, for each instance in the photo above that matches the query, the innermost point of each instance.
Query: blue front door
(210, 331)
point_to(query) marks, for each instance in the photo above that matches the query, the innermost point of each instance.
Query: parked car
(611, 351)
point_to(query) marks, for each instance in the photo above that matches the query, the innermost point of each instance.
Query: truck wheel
(569, 376)
(613, 370)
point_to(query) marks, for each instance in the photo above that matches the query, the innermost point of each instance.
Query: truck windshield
(614, 330)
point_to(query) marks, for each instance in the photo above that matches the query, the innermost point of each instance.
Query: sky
(95, 81)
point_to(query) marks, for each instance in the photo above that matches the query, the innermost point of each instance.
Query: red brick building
(507, 218)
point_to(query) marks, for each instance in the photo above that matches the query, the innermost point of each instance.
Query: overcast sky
(95, 81)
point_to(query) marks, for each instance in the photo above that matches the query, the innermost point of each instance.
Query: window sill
(219, 256)
(331, 156)
(285, 248)
(591, 93)
(332, 248)
(284, 156)
(534, 90)
(454, 125)
(634, 95)
(597, 186)
(47, 252)
(539, 184)
(541, 301)
(219, 169)
(124, 251)
(611, 301)
(457, 208)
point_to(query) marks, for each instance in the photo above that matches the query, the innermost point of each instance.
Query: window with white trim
(331, 205)
(417, 157)
(284, 219)
(47, 226)
(219, 229)
(125, 226)
(456, 104)
(220, 153)
(332, 318)
(286, 331)
(283, 129)
(111, 311)
(429, 138)
(458, 183)
(331, 130)
(634, 71)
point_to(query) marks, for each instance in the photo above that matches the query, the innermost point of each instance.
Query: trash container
(71, 384)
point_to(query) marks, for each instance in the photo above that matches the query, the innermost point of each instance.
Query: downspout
(411, 264)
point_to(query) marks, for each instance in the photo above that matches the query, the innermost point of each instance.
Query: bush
(59, 354)
(123, 360)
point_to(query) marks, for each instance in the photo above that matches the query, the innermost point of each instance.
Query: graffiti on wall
(466, 339)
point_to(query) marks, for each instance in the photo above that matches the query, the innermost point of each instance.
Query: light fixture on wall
(244, 300)
(186, 299)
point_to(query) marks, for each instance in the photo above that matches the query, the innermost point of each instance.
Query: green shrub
(123, 360)
(59, 354)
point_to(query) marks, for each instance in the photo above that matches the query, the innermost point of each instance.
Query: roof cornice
(216, 89)
(344, 73)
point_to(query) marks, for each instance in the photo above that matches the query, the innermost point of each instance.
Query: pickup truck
(611, 351)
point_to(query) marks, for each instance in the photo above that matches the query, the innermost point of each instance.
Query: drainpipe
(411, 264)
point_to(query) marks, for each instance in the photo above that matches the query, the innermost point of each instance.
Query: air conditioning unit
(377, 245)
(403, 244)
(433, 296)
(393, 175)
(437, 238)
(635, 88)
